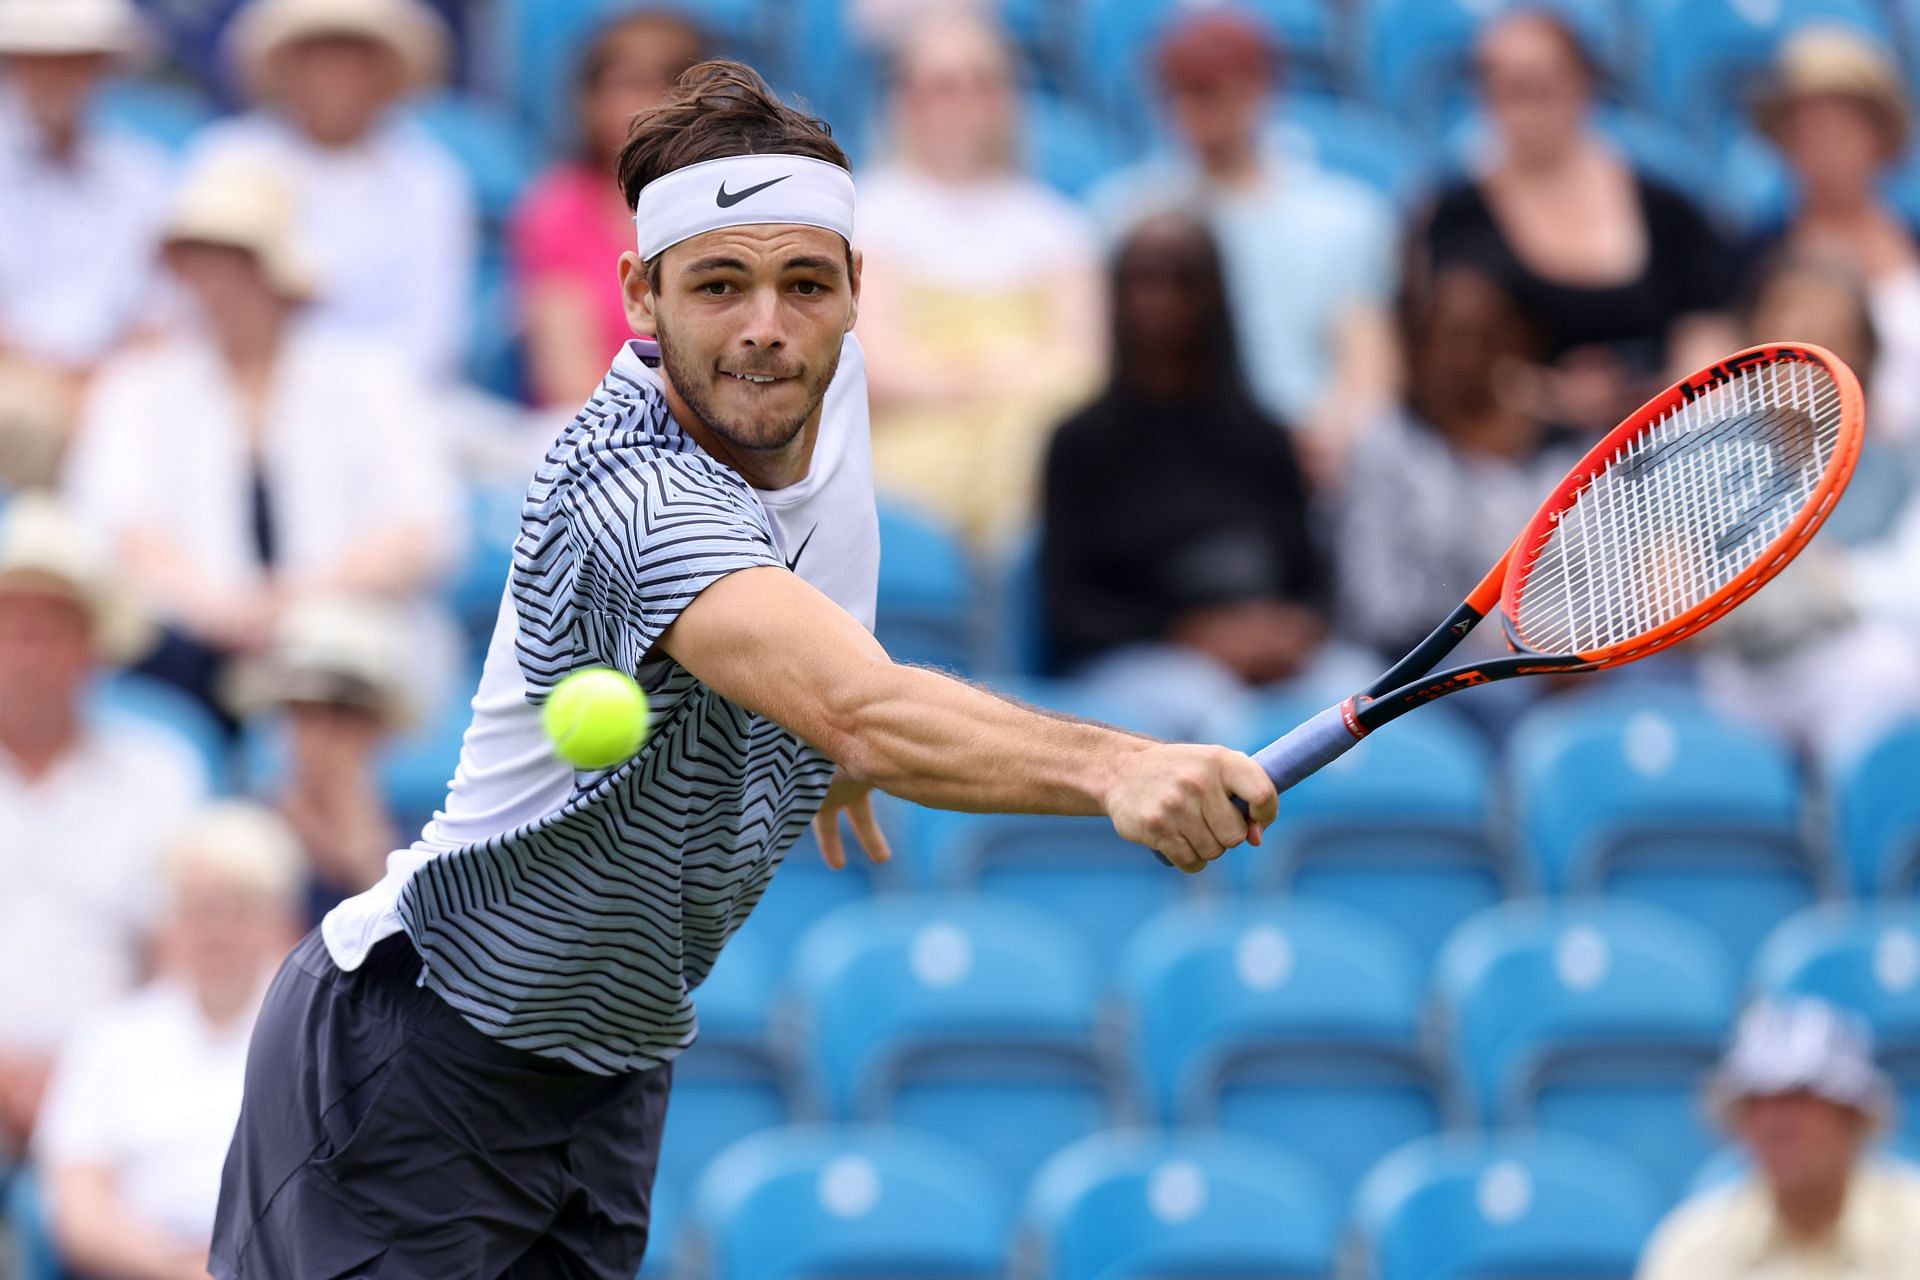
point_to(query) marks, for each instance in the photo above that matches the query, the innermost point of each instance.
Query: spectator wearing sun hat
(256, 457)
(337, 674)
(144, 1098)
(82, 799)
(385, 211)
(81, 207)
(1800, 1092)
(1837, 109)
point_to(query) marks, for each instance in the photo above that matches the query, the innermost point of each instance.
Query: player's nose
(763, 330)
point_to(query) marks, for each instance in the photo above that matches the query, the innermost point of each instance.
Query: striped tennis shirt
(573, 913)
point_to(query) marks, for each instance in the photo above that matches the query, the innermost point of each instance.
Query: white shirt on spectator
(77, 238)
(389, 224)
(151, 1090)
(79, 875)
(353, 443)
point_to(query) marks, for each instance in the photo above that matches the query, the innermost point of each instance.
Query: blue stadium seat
(163, 113)
(1417, 54)
(538, 44)
(666, 1220)
(1596, 1018)
(1114, 42)
(420, 763)
(926, 608)
(1398, 827)
(130, 696)
(1668, 803)
(967, 1017)
(855, 1201)
(1361, 142)
(1018, 612)
(1546, 1206)
(497, 154)
(1288, 1020)
(1864, 958)
(805, 890)
(474, 595)
(1876, 813)
(734, 1081)
(1139, 1204)
(1703, 58)
(1068, 146)
(26, 1222)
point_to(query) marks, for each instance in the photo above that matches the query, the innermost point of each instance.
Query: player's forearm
(941, 742)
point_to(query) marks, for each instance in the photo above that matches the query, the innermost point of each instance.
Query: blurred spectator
(82, 800)
(1829, 654)
(1308, 254)
(337, 671)
(981, 302)
(144, 1099)
(1840, 116)
(1176, 557)
(79, 209)
(253, 458)
(1800, 1092)
(384, 209)
(1628, 279)
(574, 223)
(1438, 486)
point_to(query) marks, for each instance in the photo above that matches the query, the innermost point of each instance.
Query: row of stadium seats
(987, 1022)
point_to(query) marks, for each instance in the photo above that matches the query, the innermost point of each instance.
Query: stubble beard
(691, 383)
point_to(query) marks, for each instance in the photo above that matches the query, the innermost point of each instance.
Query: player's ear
(855, 262)
(637, 294)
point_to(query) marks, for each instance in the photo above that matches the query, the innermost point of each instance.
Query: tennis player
(464, 1071)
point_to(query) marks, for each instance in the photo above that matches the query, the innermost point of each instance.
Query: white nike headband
(743, 191)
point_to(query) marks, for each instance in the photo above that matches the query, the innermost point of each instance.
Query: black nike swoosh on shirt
(793, 564)
(727, 199)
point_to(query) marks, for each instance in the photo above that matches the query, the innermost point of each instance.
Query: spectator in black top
(1629, 280)
(1175, 523)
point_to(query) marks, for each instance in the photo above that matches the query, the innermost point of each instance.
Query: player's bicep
(769, 641)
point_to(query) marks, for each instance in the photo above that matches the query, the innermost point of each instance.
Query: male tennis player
(465, 1070)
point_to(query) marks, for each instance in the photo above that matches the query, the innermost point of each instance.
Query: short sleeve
(644, 535)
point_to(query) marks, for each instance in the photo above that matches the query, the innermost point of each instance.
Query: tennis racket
(1675, 517)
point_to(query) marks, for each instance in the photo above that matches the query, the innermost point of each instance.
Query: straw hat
(1801, 1045)
(1836, 60)
(415, 33)
(69, 26)
(43, 549)
(244, 844)
(243, 205)
(339, 649)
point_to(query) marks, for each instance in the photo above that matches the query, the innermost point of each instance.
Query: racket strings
(1681, 509)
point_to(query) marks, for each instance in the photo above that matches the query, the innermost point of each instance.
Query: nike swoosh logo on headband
(727, 199)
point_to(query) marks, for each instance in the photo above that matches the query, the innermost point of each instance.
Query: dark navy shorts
(381, 1135)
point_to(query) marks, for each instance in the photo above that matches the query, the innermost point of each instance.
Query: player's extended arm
(767, 640)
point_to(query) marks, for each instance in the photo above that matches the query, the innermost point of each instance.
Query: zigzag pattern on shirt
(581, 936)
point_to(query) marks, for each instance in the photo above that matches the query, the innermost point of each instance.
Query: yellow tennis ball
(596, 718)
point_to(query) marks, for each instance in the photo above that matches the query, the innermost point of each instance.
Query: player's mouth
(757, 379)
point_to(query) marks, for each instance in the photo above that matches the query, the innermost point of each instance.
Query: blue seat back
(129, 696)
(1350, 138)
(1190, 1203)
(847, 1201)
(926, 599)
(1864, 958)
(1876, 812)
(1546, 1206)
(805, 890)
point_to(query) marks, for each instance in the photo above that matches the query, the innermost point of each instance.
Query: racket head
(1686, 508)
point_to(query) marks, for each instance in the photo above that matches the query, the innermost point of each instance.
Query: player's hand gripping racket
(1683, 511)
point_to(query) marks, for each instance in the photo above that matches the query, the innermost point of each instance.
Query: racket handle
(1305, 749)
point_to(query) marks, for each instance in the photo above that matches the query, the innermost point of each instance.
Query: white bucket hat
(338, 649)
(415, 33)
(242, 843)
(243, 204)
(1798, 1045)
(70, 26)
(43, 549)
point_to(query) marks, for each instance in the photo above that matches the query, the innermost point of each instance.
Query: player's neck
(761, 468)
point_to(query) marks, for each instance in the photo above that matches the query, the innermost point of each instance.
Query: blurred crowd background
(1216, 349)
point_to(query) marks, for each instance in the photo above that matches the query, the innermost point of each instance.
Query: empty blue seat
(734, 1081)
(666, 1218)
(1398, 827)
(1593, 1018)
(167, 114)
(26, 1222)
(1357, 140)
(805, 890)
(493, 524)
(1289, 1020)
(1876, 813)
(859, 1200)
(1138, 1204)
(129, 696)
(1546, 1206)
(1665, 802)
(1068, 146)
(967, 1017)
(926, 601)
(496, 153)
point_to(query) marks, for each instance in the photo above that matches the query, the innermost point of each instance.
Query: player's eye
(808, 288)
(714, 288)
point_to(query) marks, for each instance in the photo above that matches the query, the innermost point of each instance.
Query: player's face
(750, 321)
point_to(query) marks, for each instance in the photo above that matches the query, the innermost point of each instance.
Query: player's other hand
(855, 799)
(1178, 801)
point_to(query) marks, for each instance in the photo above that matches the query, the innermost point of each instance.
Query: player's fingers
(1200, 838)
(1175, 849)
(1224, 820)
(826, 834)
(866, 826)
(1247, 780)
